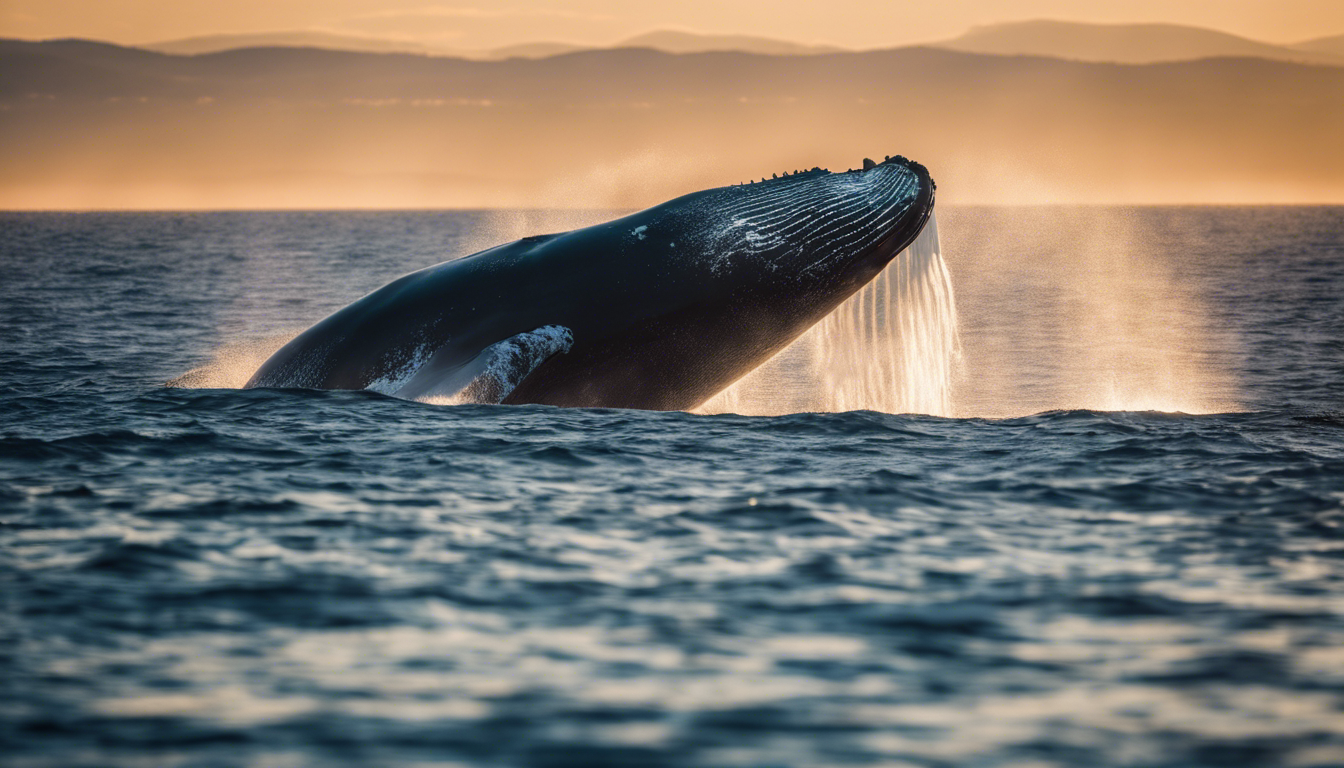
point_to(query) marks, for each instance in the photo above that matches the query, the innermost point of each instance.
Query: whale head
(720, 280)
(825, 233)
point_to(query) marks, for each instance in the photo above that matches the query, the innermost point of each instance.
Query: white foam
(398, 375)
(502, 366)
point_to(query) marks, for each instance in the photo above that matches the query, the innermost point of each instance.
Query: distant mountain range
(86, 124)
(690, 42)
(1116, 43)
(1133, 43)
(1332, 45)
(192, 46)
(668, 41)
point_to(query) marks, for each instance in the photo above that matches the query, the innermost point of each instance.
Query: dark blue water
(217, 577)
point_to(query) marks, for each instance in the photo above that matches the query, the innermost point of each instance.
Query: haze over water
(225, 577)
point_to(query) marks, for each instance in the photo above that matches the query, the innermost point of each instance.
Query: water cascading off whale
(659, 310)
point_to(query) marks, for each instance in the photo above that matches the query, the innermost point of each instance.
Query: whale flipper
(492, 374)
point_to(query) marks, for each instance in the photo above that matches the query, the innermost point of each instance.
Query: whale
(658, 310)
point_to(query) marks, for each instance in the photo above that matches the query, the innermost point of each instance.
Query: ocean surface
(1122, 546)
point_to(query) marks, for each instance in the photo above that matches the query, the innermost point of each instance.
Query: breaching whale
(658, 310)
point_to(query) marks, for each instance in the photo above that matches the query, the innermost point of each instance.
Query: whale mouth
(907, 228)
(830, 225)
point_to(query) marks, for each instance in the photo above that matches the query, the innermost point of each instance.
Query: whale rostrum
(660, 309)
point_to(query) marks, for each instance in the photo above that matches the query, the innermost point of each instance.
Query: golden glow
(476, 24)
(1246, 133)
(1023, 143)
(233, 363)
(1088, 315)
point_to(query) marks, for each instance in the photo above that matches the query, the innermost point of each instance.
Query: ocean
(1120, 544)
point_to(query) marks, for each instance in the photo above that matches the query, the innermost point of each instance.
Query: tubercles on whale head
(816, 225)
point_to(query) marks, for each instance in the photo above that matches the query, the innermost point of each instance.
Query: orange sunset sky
(857, 23)
(91, 126)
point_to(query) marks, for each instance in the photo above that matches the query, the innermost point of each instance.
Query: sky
(469, 24)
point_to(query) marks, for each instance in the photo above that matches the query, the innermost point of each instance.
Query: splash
(893, 347)
(232, 365)
(1070, 307)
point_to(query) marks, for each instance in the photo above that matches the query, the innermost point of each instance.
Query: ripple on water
(199, 577)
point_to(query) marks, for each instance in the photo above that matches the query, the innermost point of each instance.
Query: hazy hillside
(215, 43)
(1118, 43)
(1125, 43)
(193, 46)
(691, 42)
(92, 125)
(665, 40)
(527, 51)
(1333, 45)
